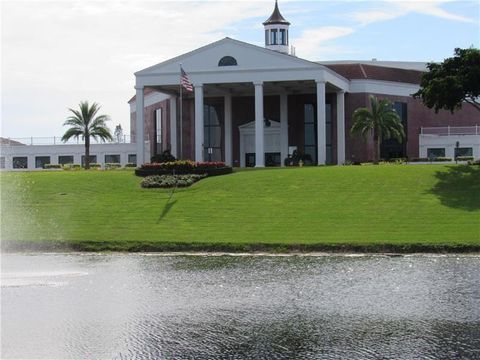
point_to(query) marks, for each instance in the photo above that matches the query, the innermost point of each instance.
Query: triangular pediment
(251, 125)
(247, 56)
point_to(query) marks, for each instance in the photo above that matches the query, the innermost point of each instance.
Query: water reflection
(134, 306)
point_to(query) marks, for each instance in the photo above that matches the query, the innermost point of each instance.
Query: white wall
(54, 151)
(449, 143)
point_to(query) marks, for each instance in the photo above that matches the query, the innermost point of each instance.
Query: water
(240, 307)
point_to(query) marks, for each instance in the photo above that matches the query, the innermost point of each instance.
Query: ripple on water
(218, 307)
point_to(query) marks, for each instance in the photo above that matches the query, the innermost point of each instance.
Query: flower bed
(184, 167)
(170, 181)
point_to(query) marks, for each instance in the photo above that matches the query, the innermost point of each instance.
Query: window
(112, 159)
(132, 158)
(93, 159)
(463, 151)
(282, 39)
(310, 132)
(212, 140)
(227, 61)
(435, 152)
(2, 162)
(20, 162)
(41, 161)
(273, 37)
(391, 148)
(65, 159)
(158, 129)
(266, 37)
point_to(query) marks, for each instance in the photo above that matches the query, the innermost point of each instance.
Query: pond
(277, 307)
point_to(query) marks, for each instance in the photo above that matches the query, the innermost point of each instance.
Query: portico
(286, 76)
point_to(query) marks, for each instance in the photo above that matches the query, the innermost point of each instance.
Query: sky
(55, 54)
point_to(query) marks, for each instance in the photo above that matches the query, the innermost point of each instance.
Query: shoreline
(139, 247)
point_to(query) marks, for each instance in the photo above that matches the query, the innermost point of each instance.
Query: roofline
(245, 44)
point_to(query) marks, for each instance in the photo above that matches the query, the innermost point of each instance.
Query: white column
(321, 119)
(283, 128)
(259, 126)
(340, 127)
(139, 126)
(228, 129)
(173, 126)
(199, 122)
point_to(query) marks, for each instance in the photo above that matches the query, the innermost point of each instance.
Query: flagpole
(181, 115)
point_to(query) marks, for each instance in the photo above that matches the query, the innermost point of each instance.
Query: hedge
(52, 166)
(184, 167)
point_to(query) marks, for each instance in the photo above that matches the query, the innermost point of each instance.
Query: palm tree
(382, 120)
(86, 124)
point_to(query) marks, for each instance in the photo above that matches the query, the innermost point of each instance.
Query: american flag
(187, 85)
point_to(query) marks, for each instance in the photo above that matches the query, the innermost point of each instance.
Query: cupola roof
(276, 17)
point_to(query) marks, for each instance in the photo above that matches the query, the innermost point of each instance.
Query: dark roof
(276, 17)
(363, 71)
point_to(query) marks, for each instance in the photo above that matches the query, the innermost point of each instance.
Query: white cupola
(276, 32)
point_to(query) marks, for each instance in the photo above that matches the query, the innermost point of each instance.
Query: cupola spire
(276, 31)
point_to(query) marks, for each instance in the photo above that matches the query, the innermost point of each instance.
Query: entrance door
(212, 143)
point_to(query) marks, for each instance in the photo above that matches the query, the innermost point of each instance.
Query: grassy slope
(431, 204)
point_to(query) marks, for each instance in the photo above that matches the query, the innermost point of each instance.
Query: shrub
(52, 166)
(474, 162)
(95, 166)
(464, 158)
(130, 165)
(170, 181)
(165, 156)
(71, 167)
(441, 158)
(398, 160)
(111, 166)
(419, 159)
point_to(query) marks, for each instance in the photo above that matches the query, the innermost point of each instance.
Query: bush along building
(256, 106)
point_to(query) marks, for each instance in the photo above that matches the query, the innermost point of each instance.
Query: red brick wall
(418, 115)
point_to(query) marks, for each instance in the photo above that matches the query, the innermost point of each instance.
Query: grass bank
(350, 208)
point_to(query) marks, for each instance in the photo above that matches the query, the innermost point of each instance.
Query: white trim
(382, 87)
(199, 130)
(321, 124)
(283, 128)
(150, 99)
(173, 126)
(259, 126)
(228, 129)
(140, 126)
(340, 127)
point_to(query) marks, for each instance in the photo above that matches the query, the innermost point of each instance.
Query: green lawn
(353, 205)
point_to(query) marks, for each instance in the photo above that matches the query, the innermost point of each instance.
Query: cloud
(313, 43)
(61, 52)
(391, 9)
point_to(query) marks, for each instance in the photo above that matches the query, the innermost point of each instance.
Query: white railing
(57, 140)
(450, 130)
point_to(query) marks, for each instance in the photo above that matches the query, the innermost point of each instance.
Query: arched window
(227, 61)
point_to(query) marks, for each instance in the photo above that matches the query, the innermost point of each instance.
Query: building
(253, 106)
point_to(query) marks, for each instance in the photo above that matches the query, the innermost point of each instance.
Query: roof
(146, 91)
(276, 17)
(371, 72)
(407, 65)
(4, 141)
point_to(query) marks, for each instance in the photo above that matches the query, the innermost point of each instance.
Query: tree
(382, 120)
(86, 124)
(454, 81)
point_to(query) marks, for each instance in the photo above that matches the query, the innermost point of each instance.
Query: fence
(450, 130)
(57, 140)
